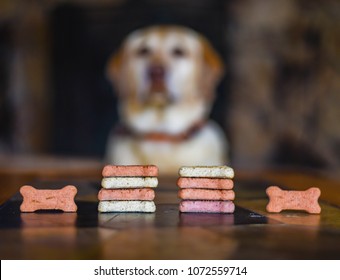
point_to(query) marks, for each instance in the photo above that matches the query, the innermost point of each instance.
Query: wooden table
(249, 233)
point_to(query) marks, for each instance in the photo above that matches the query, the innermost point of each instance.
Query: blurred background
(279, 101)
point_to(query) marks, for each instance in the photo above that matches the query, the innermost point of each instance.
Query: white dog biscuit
(127, 206)
(129, 182)
(207, 171)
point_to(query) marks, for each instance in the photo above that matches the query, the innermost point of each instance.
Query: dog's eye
(143, 51)
(178, 52)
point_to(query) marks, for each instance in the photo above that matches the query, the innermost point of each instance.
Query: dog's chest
(203, 148)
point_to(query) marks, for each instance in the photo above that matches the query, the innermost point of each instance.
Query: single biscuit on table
(130, 171)
(205, 194)
(207, 171)
(126, 194)
(205, 183)
(48, 199)
(127, 206)
(293, 200)
(129, 182)
(206, 206)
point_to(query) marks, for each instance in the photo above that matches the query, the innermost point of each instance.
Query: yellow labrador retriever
(166, 77)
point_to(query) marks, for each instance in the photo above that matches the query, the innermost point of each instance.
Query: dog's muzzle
(156, 76)
(158, 91)
(156, 73)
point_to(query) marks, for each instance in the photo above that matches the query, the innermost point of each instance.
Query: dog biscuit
(127, 206)
(129, 182)
(61, 199)
(205, 194)
(207, 171)
(126, 194)
(205, 183)
(205, 206)
(130, 171)
(293, 200)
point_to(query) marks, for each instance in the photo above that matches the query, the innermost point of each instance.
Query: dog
(165, 78)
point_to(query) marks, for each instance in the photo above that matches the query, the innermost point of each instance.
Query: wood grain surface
(249, 233)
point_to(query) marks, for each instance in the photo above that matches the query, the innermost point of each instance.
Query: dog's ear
(213, 67)
(114, 67)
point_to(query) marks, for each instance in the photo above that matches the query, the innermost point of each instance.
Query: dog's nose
(156, 73)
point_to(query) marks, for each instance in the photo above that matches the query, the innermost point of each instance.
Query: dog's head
(165, 77)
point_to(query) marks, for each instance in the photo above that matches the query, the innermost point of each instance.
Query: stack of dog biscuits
(206, 189)
(128, 188)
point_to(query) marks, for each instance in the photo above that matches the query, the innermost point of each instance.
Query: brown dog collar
(162, 137)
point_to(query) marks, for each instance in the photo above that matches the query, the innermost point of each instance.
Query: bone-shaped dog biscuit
(293, 200)
(61, 199)
(206, 171)
(130, 170)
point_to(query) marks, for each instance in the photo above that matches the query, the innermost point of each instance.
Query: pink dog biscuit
(62, 199)
(203, 194)
(130, 170)
(293, 200)
(205, 183)
(205, 206)
(126, 194)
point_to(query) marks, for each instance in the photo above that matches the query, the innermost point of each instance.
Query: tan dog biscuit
(126, 194)
(130, 171)
(293, 200)
(207, 171)
(205, 183)
(204, 194)
(129, 182)
(61, 199)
